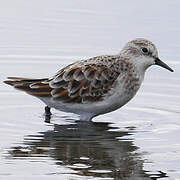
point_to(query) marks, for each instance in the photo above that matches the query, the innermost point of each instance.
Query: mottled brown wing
(82, 83)
(72, 84)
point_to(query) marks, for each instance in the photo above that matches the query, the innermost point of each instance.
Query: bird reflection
(90, 149)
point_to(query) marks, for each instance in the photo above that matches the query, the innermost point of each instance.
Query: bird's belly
(108, 104)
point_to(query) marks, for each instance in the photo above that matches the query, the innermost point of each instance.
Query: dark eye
(144, 50)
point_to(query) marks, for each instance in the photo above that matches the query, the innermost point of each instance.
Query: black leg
(48, 110)
(48, 114)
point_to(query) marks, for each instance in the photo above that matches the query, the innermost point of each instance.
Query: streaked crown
(140, 47)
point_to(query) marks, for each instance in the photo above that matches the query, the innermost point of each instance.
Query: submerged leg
(86, 117)
(48, 114)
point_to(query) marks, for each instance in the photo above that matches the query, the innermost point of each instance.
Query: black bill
(162, 64)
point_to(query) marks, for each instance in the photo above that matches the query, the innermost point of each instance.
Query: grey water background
(139, 141)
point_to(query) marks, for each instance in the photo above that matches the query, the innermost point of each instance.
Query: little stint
(96, 85)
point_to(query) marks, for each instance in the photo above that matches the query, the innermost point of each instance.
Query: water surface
(138, 141)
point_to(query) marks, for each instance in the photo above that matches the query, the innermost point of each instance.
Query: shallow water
(138, 141)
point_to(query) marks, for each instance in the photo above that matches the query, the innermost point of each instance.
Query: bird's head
(143, 53)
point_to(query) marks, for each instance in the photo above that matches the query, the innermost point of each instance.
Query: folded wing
(82, 83)
(72, 84)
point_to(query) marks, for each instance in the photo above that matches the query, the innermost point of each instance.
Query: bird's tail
(36, 87)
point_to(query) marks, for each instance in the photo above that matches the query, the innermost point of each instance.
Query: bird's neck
(141, 65)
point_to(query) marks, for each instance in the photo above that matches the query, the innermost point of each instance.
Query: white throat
(142, 63)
